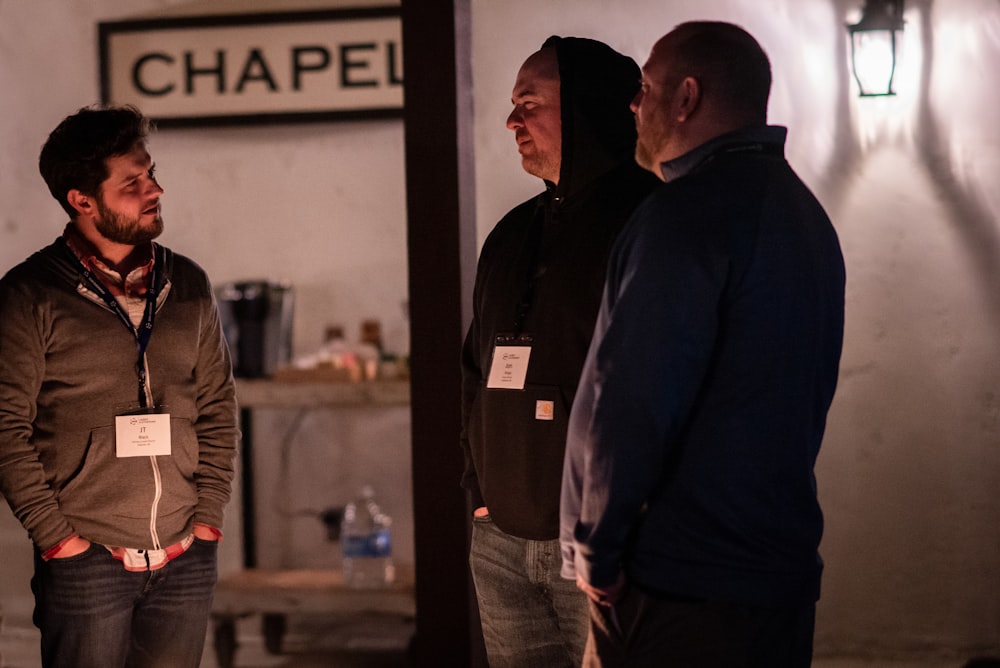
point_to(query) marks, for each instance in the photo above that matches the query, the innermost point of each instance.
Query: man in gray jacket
(118, 422)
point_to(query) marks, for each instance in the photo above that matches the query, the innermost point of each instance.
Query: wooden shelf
(262, 591)
(274, 594)
(261, 393)
(300, 394)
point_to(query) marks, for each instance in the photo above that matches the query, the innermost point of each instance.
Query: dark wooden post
(442, 252)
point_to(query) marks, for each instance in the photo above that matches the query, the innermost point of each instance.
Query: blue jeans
(531, 616)
(94, 614)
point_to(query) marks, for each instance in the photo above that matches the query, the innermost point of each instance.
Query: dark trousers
(666, 632)
(94, 614)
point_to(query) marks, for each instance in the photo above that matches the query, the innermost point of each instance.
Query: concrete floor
(376, 642)
(320, 643)
(308, 644)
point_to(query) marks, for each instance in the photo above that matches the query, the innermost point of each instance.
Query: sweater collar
(769, 138)
(90, 257)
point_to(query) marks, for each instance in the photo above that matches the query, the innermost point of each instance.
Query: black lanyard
(536, 266)
(142, 333)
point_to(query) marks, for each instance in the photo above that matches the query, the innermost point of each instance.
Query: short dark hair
(728, 62)
(74, 155)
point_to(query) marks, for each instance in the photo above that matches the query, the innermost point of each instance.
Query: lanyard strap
(142, 333)
(536, 239)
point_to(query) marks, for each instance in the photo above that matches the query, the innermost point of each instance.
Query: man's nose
(634, 104)
(514, 120)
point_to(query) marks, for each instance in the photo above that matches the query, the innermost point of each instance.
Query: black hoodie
(546, 260)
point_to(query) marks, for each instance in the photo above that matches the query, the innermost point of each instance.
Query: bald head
(542, 64)
(702, 79)
(733, 69)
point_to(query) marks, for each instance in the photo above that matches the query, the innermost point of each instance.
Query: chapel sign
(256, 68)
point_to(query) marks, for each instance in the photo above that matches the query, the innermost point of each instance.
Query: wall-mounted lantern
(873, 46)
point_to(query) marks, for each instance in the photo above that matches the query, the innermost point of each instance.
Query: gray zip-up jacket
(68, 364)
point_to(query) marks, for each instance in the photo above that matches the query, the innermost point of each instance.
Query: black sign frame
(108, 29)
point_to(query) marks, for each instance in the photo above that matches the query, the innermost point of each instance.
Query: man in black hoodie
(538, 288)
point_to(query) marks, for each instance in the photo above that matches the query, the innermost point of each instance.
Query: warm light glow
(874, 61)
(873, 46)
(891, 118)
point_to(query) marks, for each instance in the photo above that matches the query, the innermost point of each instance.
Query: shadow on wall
(847, 155)
(974, 225)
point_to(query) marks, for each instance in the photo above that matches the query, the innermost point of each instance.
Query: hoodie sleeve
(217, 422)
(472, 382)
(23, 482)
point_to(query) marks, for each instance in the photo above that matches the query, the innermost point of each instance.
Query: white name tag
(509, 368)
(144, 435)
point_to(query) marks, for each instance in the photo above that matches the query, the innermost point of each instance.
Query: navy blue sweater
(704, 396)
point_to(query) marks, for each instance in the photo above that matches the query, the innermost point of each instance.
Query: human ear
(688, 97)
(83, 204)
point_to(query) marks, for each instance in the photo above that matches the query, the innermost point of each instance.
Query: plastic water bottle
(366, 543)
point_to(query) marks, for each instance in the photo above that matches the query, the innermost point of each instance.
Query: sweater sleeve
(23, 482)
(648, 358)
(216, 425)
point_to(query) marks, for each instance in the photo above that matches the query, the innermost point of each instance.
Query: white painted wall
(911, 465)
(321, 205)
(910, 470)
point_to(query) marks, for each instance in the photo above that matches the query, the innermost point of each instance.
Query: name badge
(509, 368)
(144, 435)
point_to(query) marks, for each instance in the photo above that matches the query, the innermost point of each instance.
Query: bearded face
(128, 202)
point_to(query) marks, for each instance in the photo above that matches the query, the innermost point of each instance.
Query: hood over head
(597, 85)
